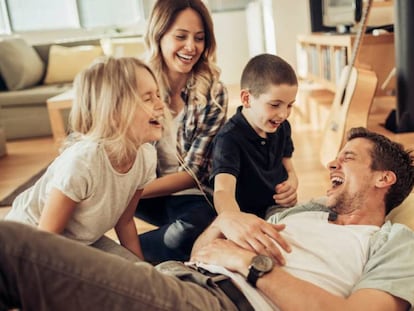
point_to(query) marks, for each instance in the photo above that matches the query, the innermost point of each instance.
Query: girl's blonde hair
(105, 104)
(204, 82)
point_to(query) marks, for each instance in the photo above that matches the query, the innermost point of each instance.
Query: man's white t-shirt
(325, 254)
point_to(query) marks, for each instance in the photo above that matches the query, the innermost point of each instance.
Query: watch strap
(253, 276)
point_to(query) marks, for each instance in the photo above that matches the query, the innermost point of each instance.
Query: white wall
(232, 44)
(238, 38)
(291, 18)
(255, 28)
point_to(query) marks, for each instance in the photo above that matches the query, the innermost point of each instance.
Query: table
(121, 47)
(55, 106)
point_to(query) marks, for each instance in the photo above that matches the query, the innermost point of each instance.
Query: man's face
(351, 177)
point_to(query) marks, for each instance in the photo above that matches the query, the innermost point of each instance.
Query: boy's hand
(286, 193)
(253, 233)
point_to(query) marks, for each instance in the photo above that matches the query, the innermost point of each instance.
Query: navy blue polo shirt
(256, 162)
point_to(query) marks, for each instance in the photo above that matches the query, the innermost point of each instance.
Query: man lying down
(339, 255)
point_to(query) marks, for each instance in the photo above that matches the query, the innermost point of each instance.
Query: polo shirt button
(263, 142)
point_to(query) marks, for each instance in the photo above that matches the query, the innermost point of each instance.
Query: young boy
(252, 167)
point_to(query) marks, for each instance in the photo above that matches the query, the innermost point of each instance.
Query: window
(227, 5)
(40, 15)
(29, 15)
(4, 19)
(98, 13)
(85, 16)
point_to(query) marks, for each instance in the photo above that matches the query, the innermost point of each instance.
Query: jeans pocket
(185, 273)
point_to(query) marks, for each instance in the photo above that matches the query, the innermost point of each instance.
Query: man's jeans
(43, 271)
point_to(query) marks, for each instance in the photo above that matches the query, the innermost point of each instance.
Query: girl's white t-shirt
(84, 173)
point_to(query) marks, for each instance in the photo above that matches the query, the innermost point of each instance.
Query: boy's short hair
(264, 70)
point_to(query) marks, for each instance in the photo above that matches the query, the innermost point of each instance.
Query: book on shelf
(340, 61)
(302, 61)
(314, 60)
(326, 62)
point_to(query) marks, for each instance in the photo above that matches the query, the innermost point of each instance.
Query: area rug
(8, 200)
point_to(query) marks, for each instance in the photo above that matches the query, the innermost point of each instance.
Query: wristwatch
(259, 266)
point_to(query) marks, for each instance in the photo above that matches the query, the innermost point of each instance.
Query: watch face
(262, 263)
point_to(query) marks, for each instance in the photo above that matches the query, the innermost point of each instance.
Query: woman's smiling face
(184, 42)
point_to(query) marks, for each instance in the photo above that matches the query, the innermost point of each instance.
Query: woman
(182, 49)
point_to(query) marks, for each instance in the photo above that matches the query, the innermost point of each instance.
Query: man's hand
(253, 233)
(224, 253)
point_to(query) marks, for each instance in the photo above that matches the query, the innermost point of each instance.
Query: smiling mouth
(185, 57)
(156, 121)
(274, 123)
(336, 182)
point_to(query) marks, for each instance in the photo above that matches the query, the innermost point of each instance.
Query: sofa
(404, 213)
(29, 75)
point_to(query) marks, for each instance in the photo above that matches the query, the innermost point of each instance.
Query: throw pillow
(65, 62)
(20, 65)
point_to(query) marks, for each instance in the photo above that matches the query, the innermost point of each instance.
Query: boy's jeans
(43, 271)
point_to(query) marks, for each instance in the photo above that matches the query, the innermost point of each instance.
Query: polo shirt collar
(247, 130)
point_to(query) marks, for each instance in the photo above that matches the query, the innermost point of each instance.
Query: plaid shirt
(196, 132)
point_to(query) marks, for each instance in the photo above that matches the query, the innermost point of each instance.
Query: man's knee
(12, 231)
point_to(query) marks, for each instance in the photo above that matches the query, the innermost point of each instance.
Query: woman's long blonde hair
(105, 104)
(203, 83)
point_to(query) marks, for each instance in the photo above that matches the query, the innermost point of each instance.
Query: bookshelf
(322, 56)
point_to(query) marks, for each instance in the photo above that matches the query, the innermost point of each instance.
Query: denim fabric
(181, 219)
(42, 271)
(206, 279)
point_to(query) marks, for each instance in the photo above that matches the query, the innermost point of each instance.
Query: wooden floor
(26, 157)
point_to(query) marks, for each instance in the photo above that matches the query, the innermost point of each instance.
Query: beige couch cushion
(20, 65)
(65, 62)
(404, 213)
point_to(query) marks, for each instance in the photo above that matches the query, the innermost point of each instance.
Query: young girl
(182, 50)
(95, 183)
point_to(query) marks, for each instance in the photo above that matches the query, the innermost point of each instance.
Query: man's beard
(345, 203)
